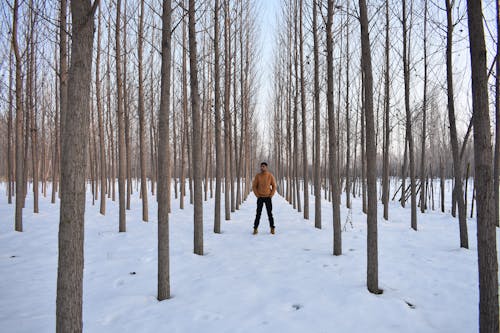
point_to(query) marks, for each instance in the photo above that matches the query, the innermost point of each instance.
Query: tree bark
(409, 134)
(100, 121)
(196, 133)
(75, 130)
(218, 147)
(305, 162)
(385, 167)
(337, 237)
(121, 123)
(424, 119)
(164, 156)
(371, 158)
(457, 161)
(19, 123)
(486, 230)
(317, 116)
(141, 111)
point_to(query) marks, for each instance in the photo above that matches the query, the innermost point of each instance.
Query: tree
(486, 230)
(317, 155)
(424, 118)
(75, 125)
(102, 147)
(371, 158)
(19, 123)
(409, 134)
(337, 237)
(141, 111)
(218, 147)
(164, 156)
(196, 133)
(121, 123)
(305, 162)
(387, 104)
(457, 162)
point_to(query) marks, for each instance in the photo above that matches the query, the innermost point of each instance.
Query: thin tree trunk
(141, 111)
(218, 147)
(387, 105)
(483, 160)
(347, 120)
(126, 112)
(424, 118)
(496, 167)
(75, 133)
(196, 133)
(164, 156)
(227, 115)
(337, 238)
(317, 116)
(9, 133)
(409, 134)
(305, 162)
(102, 146)
(457, 162)
(372, 247)
(121, 123)
(19, 123)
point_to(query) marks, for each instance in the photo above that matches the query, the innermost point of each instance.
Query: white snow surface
(287, 282)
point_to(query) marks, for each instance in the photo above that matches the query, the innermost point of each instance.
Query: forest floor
(287, 282)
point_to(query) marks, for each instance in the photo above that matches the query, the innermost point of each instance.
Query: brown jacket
(264, 185)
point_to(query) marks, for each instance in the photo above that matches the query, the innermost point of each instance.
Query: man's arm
(254, 186)
(273, 185)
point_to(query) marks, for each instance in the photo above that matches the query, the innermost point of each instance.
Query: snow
(287, 282)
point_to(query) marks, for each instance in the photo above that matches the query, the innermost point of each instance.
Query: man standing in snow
(264, 187)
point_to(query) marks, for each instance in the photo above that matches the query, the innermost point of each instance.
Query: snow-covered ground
(288, 282)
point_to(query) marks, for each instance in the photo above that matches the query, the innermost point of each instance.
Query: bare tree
(337, 237)
(121, 122)
(218, 147)
(409, 134)
(19, 122)
(195, 109)
(371, 158)
(164, 156)
(387, 104)
(317, 155)
(75, 125)
(305, 162)
(424, 117)
(457, 162)
(141, 111)
(100, 118)
(483, 160)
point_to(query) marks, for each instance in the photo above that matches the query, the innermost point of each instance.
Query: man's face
(263, 167)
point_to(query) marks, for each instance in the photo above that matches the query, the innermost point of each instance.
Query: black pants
(269, 208)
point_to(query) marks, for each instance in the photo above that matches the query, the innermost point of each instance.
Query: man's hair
(263, 163)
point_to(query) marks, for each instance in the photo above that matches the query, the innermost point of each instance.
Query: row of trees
(132, 115)
(416, 82)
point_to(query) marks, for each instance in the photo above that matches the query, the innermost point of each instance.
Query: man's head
(263, 166)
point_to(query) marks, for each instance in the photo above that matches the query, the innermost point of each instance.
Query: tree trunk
(121, 123)
(196, 133)
(387, 105)
(409, 134)
(102, 146)
(75, 132)
(347, 120)
(141, 111)
(337, 237)
(486, 230)
(424, 119)
(317, 116)
(371, 159)
(218, 147)
(305, 162)
(19, 123)
(457, 162)
(164, 155)
(227, 115)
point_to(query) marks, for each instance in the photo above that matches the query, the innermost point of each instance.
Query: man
(264, 187)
